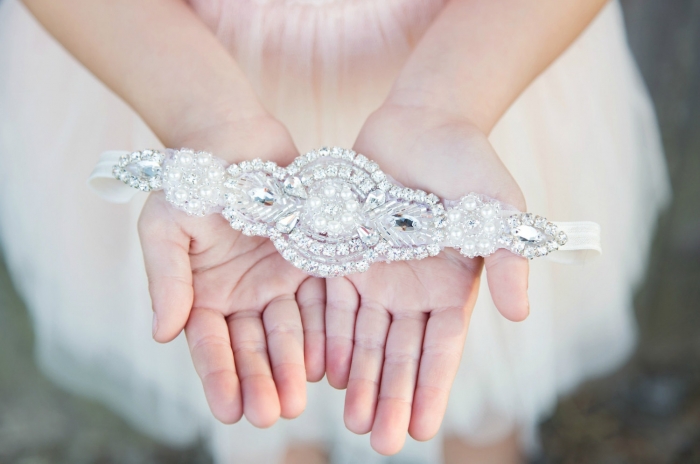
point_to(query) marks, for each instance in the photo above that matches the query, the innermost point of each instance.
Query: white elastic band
(102, 181)
(583, 243)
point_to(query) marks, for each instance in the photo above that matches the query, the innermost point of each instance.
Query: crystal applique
(141, 170)
(533, 236)
(333, 212)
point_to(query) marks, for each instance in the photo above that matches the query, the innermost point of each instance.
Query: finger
(366, 368)
(507, 275)
(210, 346)
(261, 404)
(166, 255)
(285, 344)
(443, 344)
(342, 301)
(399, 375)
(311, 298)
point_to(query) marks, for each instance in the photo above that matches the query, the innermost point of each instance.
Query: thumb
(166, 255)
(507, 275)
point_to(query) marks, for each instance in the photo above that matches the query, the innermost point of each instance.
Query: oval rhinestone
(405, 223)
(146, 169)
(528, 234)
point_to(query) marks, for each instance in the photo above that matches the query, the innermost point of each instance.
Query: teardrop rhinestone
(562, 238)
(288, 223)
(294, 187)
(263, 196)
(375, 199)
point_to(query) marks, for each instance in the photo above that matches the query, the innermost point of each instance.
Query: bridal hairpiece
(333, 212)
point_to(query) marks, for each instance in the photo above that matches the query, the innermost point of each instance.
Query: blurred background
(646, 413)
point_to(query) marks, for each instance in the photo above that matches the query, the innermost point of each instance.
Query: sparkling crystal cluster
(193, 181)
(474, 226)
(532, 236)
(141, 170)
(333, 212)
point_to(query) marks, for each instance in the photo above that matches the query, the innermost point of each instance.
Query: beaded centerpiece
(333, 212)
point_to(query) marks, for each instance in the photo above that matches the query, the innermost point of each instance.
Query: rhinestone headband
(333, 212)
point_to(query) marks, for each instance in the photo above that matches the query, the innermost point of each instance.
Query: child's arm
(431, 133)
(162, 60)
(167, 65)
(479, 55)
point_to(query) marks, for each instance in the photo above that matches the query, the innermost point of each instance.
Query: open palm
(241, 304)
(403, 326)
(395, 334)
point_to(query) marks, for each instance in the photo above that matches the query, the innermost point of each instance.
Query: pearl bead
(487, 211)
(320, 223)
(346, 193)
(329, 191)
(489, 227)
(215, 172)
(194, 205)
(469, 245)
(174, 175)
(314, 202)
(456, 233)
(351, 205)
(206, 193)
(334, 227)
(203, 159)
(454, 216)
(185, 158)
(347, 218)
(469, 203)
(181, 195)
(484, 244)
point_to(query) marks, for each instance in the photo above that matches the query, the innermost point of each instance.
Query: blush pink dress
(581, 141)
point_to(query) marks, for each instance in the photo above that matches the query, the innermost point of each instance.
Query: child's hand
(235, 295)
(395, 334)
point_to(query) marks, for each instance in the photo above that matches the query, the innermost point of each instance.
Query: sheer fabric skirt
(582, 142)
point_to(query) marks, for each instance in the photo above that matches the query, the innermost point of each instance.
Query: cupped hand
(241, 304)
(395, 334)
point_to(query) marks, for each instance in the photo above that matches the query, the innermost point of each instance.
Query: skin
(396, 333)
(251, 318)
(257, 327)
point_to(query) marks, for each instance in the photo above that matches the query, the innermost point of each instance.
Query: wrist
(239, 137)
(436, 151)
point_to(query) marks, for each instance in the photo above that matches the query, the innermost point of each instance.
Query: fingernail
(155, 324)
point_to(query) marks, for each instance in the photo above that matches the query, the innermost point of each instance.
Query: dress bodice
(310, 61)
